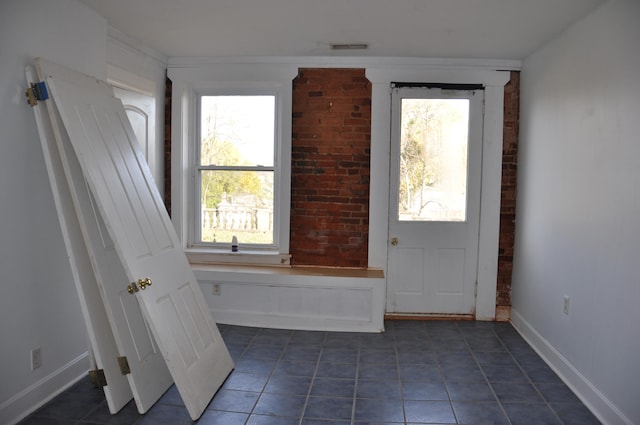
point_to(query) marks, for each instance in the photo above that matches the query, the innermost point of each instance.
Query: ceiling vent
(350, 46)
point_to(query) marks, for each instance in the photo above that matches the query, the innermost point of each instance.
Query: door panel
(146, 243)
(434, 198)
(410, 270)
(141, 111)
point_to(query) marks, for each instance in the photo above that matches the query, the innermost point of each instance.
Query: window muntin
(235, 171)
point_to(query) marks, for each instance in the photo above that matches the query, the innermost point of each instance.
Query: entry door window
(434, 138)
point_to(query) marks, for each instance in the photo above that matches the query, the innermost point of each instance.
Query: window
(256, 170)
(235, 171)
(434, 137)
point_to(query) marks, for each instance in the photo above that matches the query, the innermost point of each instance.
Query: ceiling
(482, 29)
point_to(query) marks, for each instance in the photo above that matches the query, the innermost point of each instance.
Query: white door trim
(493, 81)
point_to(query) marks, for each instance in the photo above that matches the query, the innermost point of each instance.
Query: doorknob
(394, 241)
(144, 282)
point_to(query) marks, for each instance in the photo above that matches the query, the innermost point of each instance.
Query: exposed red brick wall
(509, 182)
(167, 144)
(330, 159)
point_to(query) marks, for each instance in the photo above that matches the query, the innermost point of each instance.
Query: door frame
(493, 82)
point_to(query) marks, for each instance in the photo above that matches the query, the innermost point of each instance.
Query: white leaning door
(157, 270)
(434, 210)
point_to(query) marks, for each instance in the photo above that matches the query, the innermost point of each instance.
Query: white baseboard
(595, 401)
(292, 301)
(36, 395)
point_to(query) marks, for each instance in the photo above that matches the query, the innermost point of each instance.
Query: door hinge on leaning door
(124, 365)
(97, 378)
(36, 92)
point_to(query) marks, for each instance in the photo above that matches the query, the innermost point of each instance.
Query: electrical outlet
(565, 307)
(216, 289)
(36, 358)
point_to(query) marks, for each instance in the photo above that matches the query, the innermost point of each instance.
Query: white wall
(578, 208)
(38, 302)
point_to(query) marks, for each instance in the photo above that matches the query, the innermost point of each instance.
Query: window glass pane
(236, 203)
(237, 130)
(433, 160)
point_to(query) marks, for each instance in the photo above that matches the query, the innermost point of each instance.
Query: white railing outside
(237, 217)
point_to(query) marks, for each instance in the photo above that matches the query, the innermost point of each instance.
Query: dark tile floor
(434, 372)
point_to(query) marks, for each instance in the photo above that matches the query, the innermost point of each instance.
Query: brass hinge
(97, 378)
(124, 365)
(36, 92)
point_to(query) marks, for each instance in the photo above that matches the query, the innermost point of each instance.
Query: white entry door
(157, 271)
(436, 159)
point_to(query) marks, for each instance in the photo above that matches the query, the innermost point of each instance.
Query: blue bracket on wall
(36, 92)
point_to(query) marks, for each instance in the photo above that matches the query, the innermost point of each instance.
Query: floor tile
(470, 391)
(389, 389)
(463, 373)
(339, 355)
(386, 357)
(280, 405)
(101, 415)
(256, 366)
(234, 401)
(557, 393)
(245, 381)
(336, 370)
(501, 358)
(484, 413)
(284, 384)
(541, 374)
(531, 413)
(262, 351)
(161, 414)
(329, 408)
(214, 417)
(72, 405)
(272, 420)
(307, 421)
(419, 372)
(307, 338)
(302, 353)
(516, 392)
(499, 373)
(420, 390)
(379, 410)
(336, 387)
(574, 414)
(378, 371)
(40, 420)
(429, 412)
(416, 357)
(295, 368)
(172, 397)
